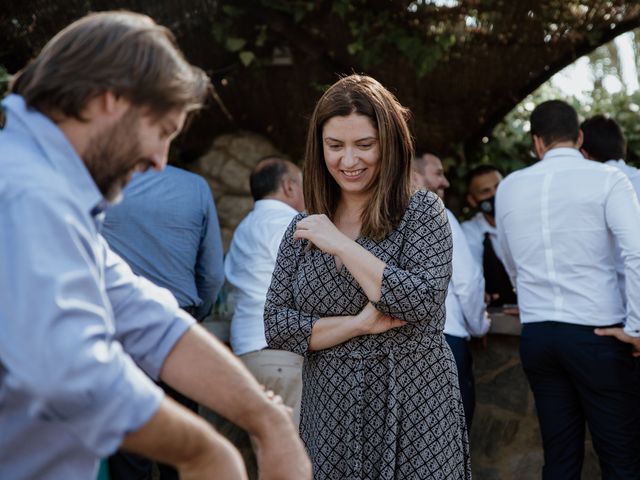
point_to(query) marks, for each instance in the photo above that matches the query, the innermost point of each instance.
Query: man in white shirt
(276, 187)
(604, 142)
(482, 236)
(557, 223)
(466, 313)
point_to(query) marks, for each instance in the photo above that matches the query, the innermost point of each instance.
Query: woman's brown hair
(122, 52)
(392, 190)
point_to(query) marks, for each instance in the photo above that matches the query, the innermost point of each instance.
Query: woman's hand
(321, 231)
(370, 320)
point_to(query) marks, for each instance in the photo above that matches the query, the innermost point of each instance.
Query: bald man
(276, 187)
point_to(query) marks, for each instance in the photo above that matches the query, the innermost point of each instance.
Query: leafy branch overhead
(459, 65)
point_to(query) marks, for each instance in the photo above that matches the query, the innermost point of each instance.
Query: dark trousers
(128, 466)
(464, 363)
(577, 376)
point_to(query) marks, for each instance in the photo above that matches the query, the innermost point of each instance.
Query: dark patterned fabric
(381, 406)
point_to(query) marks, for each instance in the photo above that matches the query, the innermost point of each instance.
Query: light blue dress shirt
(74, 319)
(166, 228)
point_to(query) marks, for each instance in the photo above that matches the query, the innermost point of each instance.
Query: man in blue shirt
(166, 229)
(104, 99)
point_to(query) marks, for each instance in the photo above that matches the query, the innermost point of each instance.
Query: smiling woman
(359, 289)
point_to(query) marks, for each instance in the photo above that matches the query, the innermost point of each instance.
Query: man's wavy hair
(122, 52)
(392, 189)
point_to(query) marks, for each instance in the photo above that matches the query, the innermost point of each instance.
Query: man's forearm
(176, 436)
(202, 368)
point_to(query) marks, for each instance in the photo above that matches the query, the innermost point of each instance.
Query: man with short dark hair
(466, 314)
(604, 142)
(482, 236)
(557, 222)
(103, 100)
(276, 187)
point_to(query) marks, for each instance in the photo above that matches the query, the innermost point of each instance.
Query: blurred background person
(466, 314)
(482, 237)
(166, 229)
(276, 188)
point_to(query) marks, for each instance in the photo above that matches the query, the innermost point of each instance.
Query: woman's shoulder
(295, 220)
(424, 201)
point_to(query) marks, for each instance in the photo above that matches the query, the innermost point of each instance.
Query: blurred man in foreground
(104, 99)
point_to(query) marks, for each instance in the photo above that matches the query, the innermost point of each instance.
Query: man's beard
(113, 155)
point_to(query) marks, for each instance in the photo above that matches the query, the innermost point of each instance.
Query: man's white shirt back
(466, 312)
(557, 221)
(248, 267)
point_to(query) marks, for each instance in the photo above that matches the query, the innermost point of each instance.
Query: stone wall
(226, 167)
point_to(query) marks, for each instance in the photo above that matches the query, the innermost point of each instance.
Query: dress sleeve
(417, 287)
(286, 327)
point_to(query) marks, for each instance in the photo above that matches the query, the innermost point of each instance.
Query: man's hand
(200, 367)
(371, 320)
(618, 333)
(280, 452)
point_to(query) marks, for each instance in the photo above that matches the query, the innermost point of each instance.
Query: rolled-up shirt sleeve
(417, 287)
(57, 342)
(148, 319)
(285, 326)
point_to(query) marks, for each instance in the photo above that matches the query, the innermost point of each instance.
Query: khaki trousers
(280, 371)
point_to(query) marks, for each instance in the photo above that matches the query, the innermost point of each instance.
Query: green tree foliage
(459, 65)
(509, 145)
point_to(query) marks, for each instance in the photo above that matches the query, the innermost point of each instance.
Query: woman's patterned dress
(383, 406)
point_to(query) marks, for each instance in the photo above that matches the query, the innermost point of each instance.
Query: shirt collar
(272, 204)
(484, 224)
(563, 152)
(56, 149)
(620, 163)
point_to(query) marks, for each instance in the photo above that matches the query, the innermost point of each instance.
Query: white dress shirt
(634, 176)
(558, 221)
(248, 268)
(474, 230)
(466, 311)
(632, 172)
